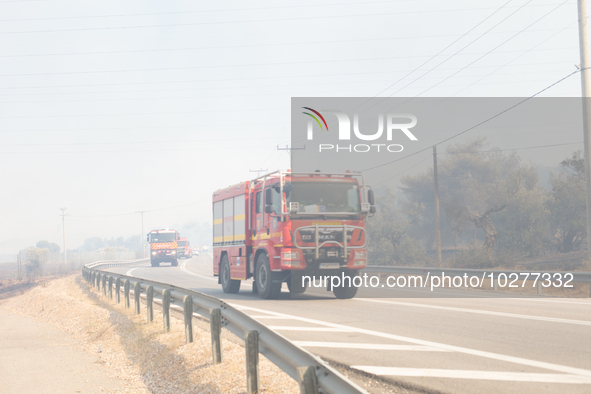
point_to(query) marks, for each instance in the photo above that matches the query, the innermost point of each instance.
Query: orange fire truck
(163, 247)
(291, 227)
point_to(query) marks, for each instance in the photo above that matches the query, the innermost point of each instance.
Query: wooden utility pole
(586, 90)
(436, 195)
(64, 231)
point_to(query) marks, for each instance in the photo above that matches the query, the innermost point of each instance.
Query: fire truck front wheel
(229, 285)
(344, 291)
(267, 288)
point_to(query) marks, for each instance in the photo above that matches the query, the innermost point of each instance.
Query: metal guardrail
(313, 374)
(580, 277)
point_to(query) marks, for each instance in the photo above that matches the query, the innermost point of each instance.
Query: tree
(35, 258)
(388, 242)
(53, 248)
(475, 182)
(567, 204)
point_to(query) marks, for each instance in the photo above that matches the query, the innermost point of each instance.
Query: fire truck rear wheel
(155, 264)
(345, 292)
(174, 263)
(229, 285)
(266, 287)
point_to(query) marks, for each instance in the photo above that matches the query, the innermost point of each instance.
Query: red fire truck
(163, 246)
(291, 227)
(184, 249)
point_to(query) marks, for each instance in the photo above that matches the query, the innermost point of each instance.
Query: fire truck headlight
(290, 256)
(360, 255)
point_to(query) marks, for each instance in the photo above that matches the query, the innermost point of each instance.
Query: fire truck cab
(163, 246)
(291, 227)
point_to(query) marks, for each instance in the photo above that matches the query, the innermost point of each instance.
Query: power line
(191, 12)
(476, 125)
(444, 49)
(233, 22)
(498, 46)
(373, 59)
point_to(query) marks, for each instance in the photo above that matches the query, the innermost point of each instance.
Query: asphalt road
(452, 344)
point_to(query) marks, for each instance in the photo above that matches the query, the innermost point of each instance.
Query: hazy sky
(111, 107)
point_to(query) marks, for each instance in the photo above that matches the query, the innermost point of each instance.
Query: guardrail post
(98, 282)
(188, 312)
(215, 323)
(137, 290)
(539, 288)
(307, 380)
(166, 309)
(110, 287)
(126, 290)
(118, 290)
(150, 303)
(251, 344)
(104, 280)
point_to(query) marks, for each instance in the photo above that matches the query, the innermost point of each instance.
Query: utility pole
(290, 151)
(142, 235)
(258, 171)
(436, 195)
(586, 90)
(64, 231)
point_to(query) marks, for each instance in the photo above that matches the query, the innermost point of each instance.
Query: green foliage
(567, 205)
(36, 258)
(475, 183)
(388, 242)
(53, 248)
(523, 225)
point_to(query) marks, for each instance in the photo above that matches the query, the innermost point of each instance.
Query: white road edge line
(128, 273)
(292, 328)
(186, 270)
(452, 348)
(479, 311)
(368, 346)
(481, 375)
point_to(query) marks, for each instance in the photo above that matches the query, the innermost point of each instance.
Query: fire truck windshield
(162, 237)
(182, 243)
(318, 197)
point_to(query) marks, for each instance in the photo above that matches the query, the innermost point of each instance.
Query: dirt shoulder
(89, 334)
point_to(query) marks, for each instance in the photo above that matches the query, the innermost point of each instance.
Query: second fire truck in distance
(184, 249)
(163, 247)
(283, 226)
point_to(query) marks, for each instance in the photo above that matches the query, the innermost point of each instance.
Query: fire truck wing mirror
(370, 197)
(268, 196)
(372, 209)
(268, 209)
(294, 207)
(148, 238)
(365, 207)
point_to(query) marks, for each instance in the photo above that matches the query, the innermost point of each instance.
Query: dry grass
(142, 355)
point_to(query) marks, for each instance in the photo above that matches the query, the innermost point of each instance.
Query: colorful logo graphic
(315, 118)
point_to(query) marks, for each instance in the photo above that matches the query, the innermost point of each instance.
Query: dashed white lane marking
(128, 273)
(481, 375)
(479, 311)
(324, 329)
(368, 346)
(452, 348)
(185, 270)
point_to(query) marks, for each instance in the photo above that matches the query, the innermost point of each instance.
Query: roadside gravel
(144, 357)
